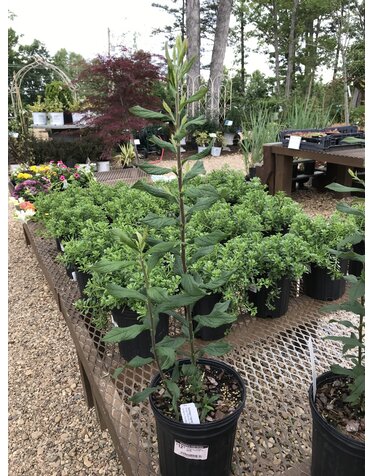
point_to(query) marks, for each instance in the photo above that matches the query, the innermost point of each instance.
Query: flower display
(31, 180)
(24, 210)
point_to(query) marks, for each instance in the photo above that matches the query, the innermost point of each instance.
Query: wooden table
(276, 171)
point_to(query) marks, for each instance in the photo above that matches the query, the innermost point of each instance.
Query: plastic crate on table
(332, 139)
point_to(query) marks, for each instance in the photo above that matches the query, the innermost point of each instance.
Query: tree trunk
(276, 49)
(291, 50)
(313, 60)
(193, 39)
(242, 51)
(218, 56)
(337, 56)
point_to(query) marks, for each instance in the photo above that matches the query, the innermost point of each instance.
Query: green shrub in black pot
(202, 445)
(338, 401)
(324, 281)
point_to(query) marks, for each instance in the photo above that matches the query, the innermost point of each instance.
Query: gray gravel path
(51, 432)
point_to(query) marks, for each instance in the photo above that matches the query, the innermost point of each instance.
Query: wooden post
(283, 173)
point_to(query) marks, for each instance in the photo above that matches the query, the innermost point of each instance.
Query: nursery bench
(276, 171)
(271, 355)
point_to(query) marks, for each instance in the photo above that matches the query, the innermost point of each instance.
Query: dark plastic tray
(327, 142)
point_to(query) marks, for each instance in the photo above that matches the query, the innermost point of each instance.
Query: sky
(82, 27)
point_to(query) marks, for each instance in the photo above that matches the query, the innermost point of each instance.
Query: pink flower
(51, 162)
(76, 176)
(62, 178)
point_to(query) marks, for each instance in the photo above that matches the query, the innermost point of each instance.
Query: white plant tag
(312, 361)
(74, 276)
(190, 451)
(137, 142)
(61, 246)
(294, 142)
(114, 322)
(252, 288)
(212, 134)
(189, 413)
(228, 123)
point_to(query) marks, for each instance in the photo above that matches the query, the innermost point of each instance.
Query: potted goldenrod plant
(196, 400)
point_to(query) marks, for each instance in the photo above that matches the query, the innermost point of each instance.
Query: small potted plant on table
(39, 114)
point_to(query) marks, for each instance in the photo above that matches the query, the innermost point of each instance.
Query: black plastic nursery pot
(280, 303)
(318, 284)
(197, 449)
(333, 453)
(355, 267)
(82, 279)
(205, 306)
(141, 344)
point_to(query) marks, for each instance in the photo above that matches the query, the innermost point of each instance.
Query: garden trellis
(16, 85)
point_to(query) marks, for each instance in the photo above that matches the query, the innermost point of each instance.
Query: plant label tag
(114, 322)
(212, 134)
(189, 413)
(74, 276)
(228, 123)
(252, 288)
(312, 361)
(294, 142)
(62, 247)
(137, 142)
(191, 451)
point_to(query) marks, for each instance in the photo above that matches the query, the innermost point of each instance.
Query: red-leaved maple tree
(112, 85)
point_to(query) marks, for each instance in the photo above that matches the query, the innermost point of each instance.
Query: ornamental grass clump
(185, 383)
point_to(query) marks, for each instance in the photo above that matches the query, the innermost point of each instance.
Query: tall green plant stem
(360, 333)
(149, 310)
(183, 219)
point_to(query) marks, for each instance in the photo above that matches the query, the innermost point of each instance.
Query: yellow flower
(24, 176)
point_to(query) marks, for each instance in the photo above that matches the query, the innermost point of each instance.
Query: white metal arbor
(16, 85)
(217, 101)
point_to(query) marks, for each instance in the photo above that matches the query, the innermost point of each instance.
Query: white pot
(103, 166)
(56, 119)
(200, 149)
(229, 138)
(39, 118)
(183, 141)
(77, 118)
(216, 151)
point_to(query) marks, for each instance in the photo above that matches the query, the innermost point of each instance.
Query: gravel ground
(51, 431)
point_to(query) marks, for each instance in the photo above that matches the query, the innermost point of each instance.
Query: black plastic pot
(280, 303)
(213, 442)
(70, 269)
(333, 453)
(355, 267)
(141, 344)
(318, 284)
(205, 306)
(82, 280)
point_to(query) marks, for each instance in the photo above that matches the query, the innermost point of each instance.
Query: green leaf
(197, 169)
(210, 239)
(337, 187)
(348, 342)
(337, 369)
(202, 204)
(157, 294)
(162, 247)
(153, 260)
(191, 287)
(171, 342)
(357, 290)
(343, 207)
(163, 144)
(198, 95)
(154, 169)
(352, 140)
(197, 121)
(124, 238)
(148, 114)
(117, 372)
(201, 191)
(217, 348)
(218, 282)
(216, 318)
(173, 389)
(344, 323)
(139, 361)
(107, 266)
(119, 334)
(206, 250)
(124, 293)
(141, 396)
(167, 356)
(177, 301)
(199, 155)
(159, 222)
(155, 191)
